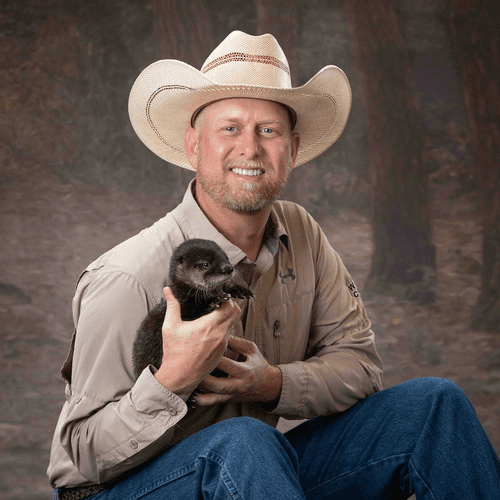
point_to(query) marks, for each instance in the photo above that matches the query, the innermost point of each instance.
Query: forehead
(241, 108)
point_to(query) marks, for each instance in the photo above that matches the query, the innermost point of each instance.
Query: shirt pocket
(287, 325)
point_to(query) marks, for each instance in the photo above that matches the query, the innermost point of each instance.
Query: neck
(246, 231)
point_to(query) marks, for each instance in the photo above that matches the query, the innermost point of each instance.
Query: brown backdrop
(75, 180)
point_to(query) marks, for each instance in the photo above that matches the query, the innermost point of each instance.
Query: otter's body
(201, 278)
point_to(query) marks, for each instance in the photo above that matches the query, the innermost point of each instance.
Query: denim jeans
(419, 437)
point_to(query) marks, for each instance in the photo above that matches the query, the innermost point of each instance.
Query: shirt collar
(274, 234)
(195, 224)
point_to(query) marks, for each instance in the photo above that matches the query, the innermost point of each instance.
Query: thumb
(172, 302)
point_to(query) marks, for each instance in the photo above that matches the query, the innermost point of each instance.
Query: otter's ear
(191, 141)
(180, 259)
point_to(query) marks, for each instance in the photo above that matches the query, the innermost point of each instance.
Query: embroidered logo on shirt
(353, 289)
(289, 275)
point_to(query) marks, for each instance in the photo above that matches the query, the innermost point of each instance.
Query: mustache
(249, 165)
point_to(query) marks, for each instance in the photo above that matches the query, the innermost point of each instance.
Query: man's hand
(192, 349)
(251, 380)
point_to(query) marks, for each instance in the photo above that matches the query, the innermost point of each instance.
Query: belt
(80, 492)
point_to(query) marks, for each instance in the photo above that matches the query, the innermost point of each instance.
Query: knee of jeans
(247, 428)
(246, 433)
(446, 391)
(444, 386)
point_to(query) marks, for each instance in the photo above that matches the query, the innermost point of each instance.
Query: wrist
(175, 384)
(273, 384)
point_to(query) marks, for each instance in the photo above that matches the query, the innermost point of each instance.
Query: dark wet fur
(201, 278)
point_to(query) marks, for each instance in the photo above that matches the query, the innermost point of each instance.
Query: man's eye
(267, 130)
(230, 129)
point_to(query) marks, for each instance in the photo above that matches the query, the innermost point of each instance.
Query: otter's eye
(205, 265)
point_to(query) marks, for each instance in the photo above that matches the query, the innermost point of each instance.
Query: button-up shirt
(306, 317)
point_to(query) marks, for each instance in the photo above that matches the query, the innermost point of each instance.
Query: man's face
(245, 153)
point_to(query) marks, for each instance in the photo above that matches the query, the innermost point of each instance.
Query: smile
(241, 171)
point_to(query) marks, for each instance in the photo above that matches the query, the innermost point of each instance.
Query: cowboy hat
(169, 93)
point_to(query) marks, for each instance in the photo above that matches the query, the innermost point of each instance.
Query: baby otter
(201, 278)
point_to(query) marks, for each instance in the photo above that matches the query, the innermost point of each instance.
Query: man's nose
(249, 144)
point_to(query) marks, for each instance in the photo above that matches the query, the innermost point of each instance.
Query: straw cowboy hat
(168, 94)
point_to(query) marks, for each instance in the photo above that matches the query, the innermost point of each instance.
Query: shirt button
(134, 444)
(172, 412)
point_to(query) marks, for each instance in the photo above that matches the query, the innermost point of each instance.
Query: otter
(201, 278)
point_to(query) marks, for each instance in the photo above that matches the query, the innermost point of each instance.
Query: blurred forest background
(408, 195)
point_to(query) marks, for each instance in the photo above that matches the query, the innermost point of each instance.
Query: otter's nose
(227, 269)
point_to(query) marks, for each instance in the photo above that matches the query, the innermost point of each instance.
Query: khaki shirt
(306, 317)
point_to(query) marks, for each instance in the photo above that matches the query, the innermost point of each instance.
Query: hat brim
(161, 107)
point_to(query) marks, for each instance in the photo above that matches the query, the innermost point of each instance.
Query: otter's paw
(240, 292)
(216, 303)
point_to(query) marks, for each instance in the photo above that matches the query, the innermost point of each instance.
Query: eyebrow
(235, 119)
(291, 114)
(221, 120)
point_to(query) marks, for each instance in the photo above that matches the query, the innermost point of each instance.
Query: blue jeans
(419, 437)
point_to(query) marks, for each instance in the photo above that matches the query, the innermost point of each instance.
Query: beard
(249, 197)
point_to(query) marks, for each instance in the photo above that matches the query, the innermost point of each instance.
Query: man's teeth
(242, 171)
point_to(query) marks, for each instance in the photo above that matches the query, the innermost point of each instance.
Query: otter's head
(201, 264)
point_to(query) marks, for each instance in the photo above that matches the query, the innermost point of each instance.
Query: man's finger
(230, 366)
(241, 345)
(220, 385)
(210, 399)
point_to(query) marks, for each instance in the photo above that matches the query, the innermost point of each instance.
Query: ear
(294, 146)
(191, 139)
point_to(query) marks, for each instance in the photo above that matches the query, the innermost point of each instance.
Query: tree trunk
(403, 262)
(183, 30)
(474, 28)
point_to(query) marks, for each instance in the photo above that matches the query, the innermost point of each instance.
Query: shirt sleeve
(341, 365)
(113, 422)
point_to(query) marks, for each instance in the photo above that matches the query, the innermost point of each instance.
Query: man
(305, 344)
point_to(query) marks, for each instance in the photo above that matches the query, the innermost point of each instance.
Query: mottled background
(75, 180)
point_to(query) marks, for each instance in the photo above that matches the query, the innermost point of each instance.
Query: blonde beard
(255, 196)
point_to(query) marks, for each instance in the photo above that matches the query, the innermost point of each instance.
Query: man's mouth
(243, 171)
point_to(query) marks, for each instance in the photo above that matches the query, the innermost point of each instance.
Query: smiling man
(250, 145)
(301, 348)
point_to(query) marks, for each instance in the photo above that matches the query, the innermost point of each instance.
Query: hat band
(242, 57)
